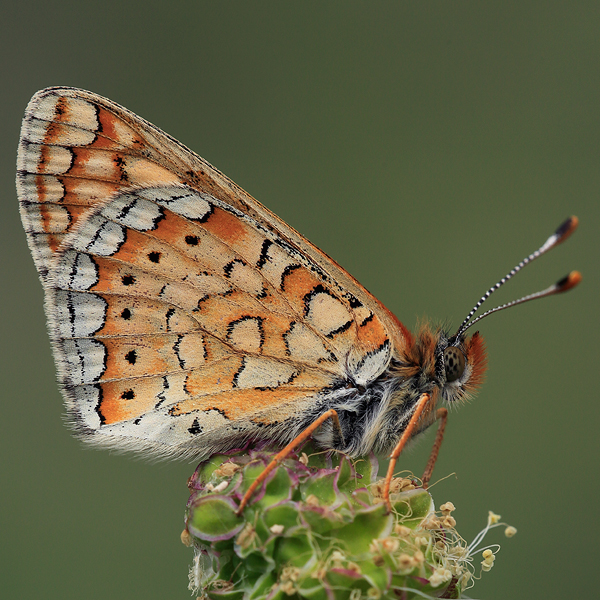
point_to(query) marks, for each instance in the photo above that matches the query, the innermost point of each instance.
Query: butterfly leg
(408, 432)
(283, 454)
(442, 416)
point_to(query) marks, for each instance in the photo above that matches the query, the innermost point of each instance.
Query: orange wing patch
(75, 154)
(237, 405)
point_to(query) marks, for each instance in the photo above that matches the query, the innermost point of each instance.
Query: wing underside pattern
(177, 317)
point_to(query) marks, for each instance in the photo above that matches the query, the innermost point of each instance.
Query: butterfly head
(452, 367)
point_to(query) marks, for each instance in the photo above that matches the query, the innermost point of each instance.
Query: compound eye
(454, 363)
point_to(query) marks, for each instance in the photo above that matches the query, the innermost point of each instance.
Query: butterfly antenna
(566, 283)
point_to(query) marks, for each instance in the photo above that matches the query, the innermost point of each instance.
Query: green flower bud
(317, 529)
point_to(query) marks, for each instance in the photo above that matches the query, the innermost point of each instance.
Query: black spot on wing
(170, 312)
(131, 357)
(195, 429)
(264, 254)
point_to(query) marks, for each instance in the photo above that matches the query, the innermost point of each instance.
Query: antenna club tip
(569, 282)
(566, 229)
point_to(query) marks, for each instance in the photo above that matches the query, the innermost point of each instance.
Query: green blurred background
(427, 147)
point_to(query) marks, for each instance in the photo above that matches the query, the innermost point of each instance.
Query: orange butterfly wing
(185, 316)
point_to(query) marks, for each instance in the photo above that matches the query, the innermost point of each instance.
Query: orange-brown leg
(283, 454)
(408, 432)
(441, 415)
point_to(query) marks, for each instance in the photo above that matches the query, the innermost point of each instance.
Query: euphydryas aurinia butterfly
(186, 318)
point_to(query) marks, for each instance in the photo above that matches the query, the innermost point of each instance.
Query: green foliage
(317, 530)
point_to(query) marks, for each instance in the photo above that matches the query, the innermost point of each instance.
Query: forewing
(180, 308)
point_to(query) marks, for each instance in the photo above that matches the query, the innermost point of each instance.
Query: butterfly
(187, 319)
